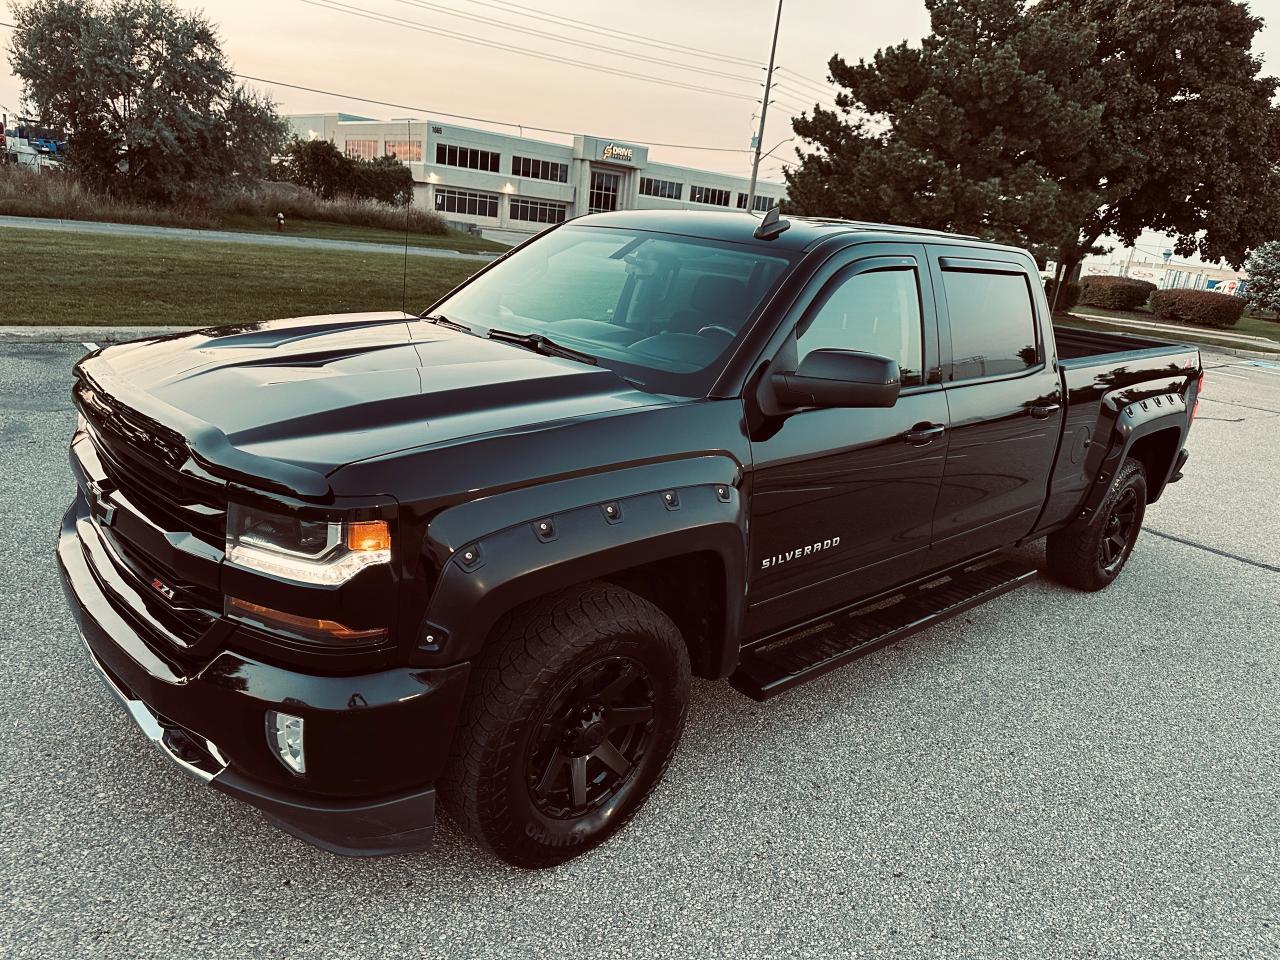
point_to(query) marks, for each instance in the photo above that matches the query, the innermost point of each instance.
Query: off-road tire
(1075, 553)
(535, 655)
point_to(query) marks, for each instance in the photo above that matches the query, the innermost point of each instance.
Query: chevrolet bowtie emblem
(100, 505)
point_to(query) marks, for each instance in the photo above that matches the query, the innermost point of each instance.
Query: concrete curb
(103, 334)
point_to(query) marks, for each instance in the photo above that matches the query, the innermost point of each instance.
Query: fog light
(284, 733)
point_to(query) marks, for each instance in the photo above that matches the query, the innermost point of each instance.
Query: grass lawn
(462, 242)
(49, 277)
(1203, 339)
(1248, 325)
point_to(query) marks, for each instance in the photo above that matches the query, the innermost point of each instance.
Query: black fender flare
(497, 552)
(1131, 421)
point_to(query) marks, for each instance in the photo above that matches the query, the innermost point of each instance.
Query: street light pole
(764, 111)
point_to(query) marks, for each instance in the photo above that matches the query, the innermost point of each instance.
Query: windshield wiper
(540, 344)
(444, 321)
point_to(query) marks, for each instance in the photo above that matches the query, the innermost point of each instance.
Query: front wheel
(1090, 554)
(576, 705)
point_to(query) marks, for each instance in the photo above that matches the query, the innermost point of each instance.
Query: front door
(604, 192)
(842, 499)
(1003, 396)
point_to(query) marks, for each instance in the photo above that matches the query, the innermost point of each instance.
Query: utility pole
(764, 110)
(1129, 263)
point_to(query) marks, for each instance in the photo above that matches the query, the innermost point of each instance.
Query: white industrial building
(514, 183)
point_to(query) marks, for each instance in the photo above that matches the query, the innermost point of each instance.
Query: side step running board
(767, 670)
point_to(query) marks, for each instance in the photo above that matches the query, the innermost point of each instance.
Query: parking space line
(89, 344)
(1221, 553)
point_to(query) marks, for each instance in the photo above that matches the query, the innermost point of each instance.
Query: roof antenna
(408, 211)
(772, 226)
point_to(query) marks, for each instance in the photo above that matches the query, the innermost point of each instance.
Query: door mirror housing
(839, 378)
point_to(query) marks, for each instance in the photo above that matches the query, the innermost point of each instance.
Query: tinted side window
(875, 312)
(993, 323)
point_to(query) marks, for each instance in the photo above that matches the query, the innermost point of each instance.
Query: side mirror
(839, 378)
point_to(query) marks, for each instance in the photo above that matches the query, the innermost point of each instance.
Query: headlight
(308, 551)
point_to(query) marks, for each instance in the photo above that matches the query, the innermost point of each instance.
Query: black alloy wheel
(591, 738)
(1090, 552)
(574, 708)
(1120, 532)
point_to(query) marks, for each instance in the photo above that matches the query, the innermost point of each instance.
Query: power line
(826, 88)
(459, 116)
(508, 7)
(465, 117)
(390, 20)
(548, 35)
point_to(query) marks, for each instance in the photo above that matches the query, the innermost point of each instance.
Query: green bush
(1201, 307)
(1069, 297)
(1115, 293)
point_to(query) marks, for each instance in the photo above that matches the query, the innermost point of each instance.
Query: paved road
(1050, 775)
(228, 236)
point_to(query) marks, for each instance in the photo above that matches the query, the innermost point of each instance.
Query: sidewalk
(229, 236)
(1244, 339)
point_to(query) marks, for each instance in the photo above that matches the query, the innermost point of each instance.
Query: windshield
(658, 308)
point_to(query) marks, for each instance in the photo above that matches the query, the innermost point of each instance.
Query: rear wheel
(1089, 554)
(575, 708)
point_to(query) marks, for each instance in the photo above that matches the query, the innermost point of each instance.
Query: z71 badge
(798, 552)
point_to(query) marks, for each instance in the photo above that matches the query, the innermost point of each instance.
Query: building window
(760, 204)
(540, 169)
(711, 195)
(362, 149)
(406, 151)
(603, 196)
(469, 157)
(537, 211)
(667, 189)
(470, 202)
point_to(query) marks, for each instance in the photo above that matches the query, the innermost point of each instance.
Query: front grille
(150, 466)
(146, 463)
(191, 610)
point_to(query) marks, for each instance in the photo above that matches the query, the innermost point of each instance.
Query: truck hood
(284, 403)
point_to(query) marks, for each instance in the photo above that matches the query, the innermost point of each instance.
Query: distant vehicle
(31, 147)
(335, 564)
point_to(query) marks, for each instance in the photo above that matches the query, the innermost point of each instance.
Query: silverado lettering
(799, 552)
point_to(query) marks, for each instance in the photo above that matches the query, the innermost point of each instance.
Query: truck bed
(1075, 343)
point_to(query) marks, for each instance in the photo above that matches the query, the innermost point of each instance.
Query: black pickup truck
(336, 565)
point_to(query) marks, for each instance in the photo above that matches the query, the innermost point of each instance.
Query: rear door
(842, 499)
(1003, 397)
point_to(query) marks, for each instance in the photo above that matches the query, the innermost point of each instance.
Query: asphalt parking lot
(1050, 775)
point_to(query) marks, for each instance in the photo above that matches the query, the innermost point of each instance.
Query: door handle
(919, 436)
(1042, 411)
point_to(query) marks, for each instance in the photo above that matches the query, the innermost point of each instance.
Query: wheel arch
(1151, 430)
(682, 546)
(1157, 451)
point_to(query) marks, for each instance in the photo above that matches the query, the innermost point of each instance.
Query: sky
(328, 49)
(322, 44)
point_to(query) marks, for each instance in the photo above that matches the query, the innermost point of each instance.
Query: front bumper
(375, 742)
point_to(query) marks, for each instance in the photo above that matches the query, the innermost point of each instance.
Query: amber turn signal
(310, 627)
(367, 536)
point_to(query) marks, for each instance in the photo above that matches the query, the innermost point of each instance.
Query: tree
(317, 165)
(1263, 269)
(1056, 125)
(149, 102)
(322, 169)
(1190, 138)
(972, 131)
(385, 180)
